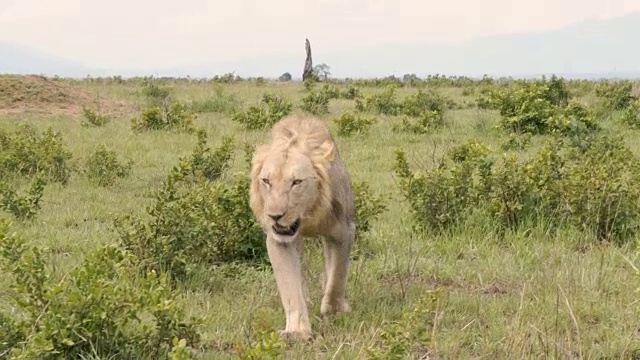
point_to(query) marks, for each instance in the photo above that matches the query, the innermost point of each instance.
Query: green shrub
(26, 153)
(382, 103)
(348, 123)
(423, 124)
(368, 207)
(631, 115)
(220, 102)
(351, 93)
(205, 164)
(616, 95)
(103, 168)
(93, 118)
(587, 182)
(102, 307)
(316, 103)
(25, 206)
(191, 225)
(170, 116)
(410, 336)
(419, 103)
(271, 109)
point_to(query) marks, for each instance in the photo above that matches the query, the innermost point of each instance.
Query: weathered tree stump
(308, 64)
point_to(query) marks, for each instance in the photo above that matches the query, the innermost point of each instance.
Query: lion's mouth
(287, 231)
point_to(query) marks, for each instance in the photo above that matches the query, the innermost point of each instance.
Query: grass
(529, 294)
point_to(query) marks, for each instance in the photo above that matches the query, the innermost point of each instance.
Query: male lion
(300, 187)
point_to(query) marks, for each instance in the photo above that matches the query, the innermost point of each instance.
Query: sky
(161, 33)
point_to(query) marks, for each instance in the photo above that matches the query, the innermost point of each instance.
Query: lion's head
(290, 187)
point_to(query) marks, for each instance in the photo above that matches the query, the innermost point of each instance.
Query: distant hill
(587, 49)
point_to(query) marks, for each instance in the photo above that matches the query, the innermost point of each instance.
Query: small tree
(285, 77)
(322, 71)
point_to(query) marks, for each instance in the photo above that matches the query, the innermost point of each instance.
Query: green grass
(530, 294)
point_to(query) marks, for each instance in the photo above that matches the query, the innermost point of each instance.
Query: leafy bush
(170, 116)
(316, 103)
(271, 109)
(102, 307)
(351, 93)
(103, 168)
(26, 153)
(616, 95)
(368, 207)
(423, 124)
(381, 103)
(631, 115)
(205, 164)
(25, 206)
(348, 123)
(330, 91)
(93, 118)
(410, 336)
(588, 182)
(419, 103)
(193, 225)
(540, 107)
(220, 102)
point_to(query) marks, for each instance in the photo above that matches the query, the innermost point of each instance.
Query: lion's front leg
(337, 250)
(285, 261)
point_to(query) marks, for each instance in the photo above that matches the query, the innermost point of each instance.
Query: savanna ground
(472, 290)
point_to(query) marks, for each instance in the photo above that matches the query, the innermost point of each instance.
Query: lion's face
(288, 187)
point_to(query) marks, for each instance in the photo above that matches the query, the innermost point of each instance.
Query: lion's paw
(334, 307)
(292, 336)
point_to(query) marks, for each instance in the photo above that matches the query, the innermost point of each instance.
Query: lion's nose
(276, 217)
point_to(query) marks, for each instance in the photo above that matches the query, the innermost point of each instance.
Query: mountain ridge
(589, 48)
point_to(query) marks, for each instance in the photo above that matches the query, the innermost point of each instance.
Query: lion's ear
(327, 150)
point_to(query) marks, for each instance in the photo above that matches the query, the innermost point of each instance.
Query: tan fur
(303, 149)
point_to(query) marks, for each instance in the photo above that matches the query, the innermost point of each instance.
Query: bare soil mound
(41, 94)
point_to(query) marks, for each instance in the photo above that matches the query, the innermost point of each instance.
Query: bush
(170, 116)
(587, 182)
(93, 118)
(351, 93)
(22, 207)
(101, 308)
(425, 123)
(348, 124)
(193, 225)
(316, 103)
(617, 95)
(381, 103)
(271, 109)
(417, 104)
(103, 168)
(368, 207)
(25, 153)
(631, 115)
(205, 164)
(219, 103)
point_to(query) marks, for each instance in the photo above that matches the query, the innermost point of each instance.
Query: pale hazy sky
(139, 33)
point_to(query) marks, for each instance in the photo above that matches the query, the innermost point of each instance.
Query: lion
(301, 187)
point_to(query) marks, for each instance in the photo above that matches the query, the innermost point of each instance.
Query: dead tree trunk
(308, 64)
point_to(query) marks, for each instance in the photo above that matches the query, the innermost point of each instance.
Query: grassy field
(527, 293)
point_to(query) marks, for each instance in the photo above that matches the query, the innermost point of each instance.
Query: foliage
(631, 115)
(26, 153)
(423, 124)
(102, 307)
(169, 116)
(220, 103)
(351, 93)
(93, 118)
(421, 102)
(103, 168)
(410, 336)
(316, 102)
(348, 123)
(271, 109)
(205, 164)
(285, 77)
(25, 206)
(195, 224)
(383, 103)
(269, 346)
(616, 95)
(368, 207)
(587, 182)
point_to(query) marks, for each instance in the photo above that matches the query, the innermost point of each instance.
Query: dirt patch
(32, 93)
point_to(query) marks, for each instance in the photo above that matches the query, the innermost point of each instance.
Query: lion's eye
(266, 181)
(296, 182)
